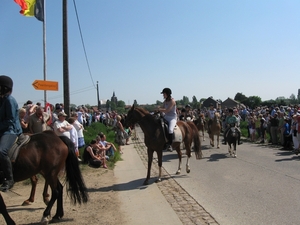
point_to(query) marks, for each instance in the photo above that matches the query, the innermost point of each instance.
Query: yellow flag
(30, 8)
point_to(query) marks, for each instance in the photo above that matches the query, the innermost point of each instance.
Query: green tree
(241, 98)
(121, 104)
(108, 105)
(113, 106)
(195, 103)
(158, 102)
(185, 101)
(254, 101)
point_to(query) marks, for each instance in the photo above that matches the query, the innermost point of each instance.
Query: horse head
(217, 117)
(134, 115)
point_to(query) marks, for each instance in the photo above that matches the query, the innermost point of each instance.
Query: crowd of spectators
(34, 119)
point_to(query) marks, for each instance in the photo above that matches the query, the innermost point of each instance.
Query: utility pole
(66, 60)
(99, 105)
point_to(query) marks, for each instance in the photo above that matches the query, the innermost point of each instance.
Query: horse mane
(142, 110)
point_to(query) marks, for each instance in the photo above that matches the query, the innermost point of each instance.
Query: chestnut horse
(215, 129)
(155, 138)
(48, 154)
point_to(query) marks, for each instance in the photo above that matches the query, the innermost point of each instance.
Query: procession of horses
(48, 154)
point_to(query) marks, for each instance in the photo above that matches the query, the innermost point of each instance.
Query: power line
(83, 45)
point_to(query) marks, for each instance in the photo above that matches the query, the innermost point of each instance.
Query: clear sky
(136, 48)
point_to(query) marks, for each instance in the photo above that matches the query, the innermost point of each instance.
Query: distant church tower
(114, 98)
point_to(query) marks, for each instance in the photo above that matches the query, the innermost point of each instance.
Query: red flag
(23, 5)
(48, 110)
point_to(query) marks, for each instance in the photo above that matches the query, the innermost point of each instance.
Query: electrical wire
(83, 45)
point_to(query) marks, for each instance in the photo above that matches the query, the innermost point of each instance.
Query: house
(206, 103)
(230, 103)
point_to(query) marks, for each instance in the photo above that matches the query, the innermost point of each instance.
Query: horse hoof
(25, 203)
(45, 220)
(158, 180)
(188, 171)
(178, 172)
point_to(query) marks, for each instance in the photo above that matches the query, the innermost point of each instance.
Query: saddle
(15, 149)
(177, 136)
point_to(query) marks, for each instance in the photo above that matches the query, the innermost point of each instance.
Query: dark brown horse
(48, 154)
(200, 123)
(155, 139)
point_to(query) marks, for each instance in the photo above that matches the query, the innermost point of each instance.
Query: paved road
(260, 186)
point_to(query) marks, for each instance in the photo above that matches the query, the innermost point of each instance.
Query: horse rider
(170, 114)
(10, 129)
(211, 114)
(231, 119)
(188, 113)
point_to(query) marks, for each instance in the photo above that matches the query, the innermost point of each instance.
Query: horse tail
(196, 140)
(76, 187)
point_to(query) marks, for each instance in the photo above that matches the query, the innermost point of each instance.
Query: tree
(158, 102)
(195, 103)
(254, 101)
(293, 99)
(108, 105)
(240, 98)
(185, 101)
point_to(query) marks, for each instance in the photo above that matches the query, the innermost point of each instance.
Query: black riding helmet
(6, 84)
(166, 91)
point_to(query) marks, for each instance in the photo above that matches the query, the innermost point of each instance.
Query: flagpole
(44, 51)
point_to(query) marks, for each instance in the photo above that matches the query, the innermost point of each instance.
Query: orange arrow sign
(45, 85)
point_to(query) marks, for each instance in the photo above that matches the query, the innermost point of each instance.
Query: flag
(39, 10)
(32, 8)
(23, 5)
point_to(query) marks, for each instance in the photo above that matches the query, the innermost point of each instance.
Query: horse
(155, 139)
(48, 154)
(232, 137)
(200, 122)
(215, 129)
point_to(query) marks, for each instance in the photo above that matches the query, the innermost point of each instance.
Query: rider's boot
(8, 175)
(170, 141)
(224, 142)
(239, 140)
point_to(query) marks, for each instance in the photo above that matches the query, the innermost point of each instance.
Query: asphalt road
(260, 186)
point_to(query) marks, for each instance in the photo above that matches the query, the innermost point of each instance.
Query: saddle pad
(177, 134)
(14, 150)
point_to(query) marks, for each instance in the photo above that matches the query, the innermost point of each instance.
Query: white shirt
(73, 136)
(58, 124)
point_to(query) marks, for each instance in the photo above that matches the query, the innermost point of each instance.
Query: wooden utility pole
(66, 60)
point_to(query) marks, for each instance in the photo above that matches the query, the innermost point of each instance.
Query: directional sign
(45, 85)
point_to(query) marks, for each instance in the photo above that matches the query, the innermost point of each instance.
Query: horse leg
(234, 149)
(229, 148)
(159, 158)
(179, 158)
(59, 209)
(150, 158)
(211, 136)
(54, 195)
(218, 142)
(187, 166)
(203, 134)
(45, 193)
(3, 211)
(33, 181)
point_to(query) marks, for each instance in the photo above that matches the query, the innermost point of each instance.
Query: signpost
(45, 85)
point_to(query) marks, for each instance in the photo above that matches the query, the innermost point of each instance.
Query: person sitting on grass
(93, 155)
(111, 147)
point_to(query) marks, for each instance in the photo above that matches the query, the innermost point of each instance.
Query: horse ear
(132, 107)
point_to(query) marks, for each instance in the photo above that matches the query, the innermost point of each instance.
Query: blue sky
(136, 48)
